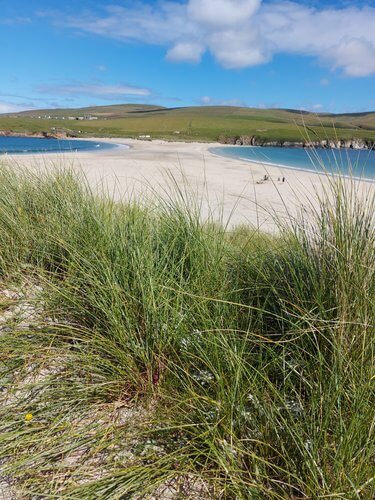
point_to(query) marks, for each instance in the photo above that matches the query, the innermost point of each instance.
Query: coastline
(290, 167)
(226, 189)
(57, 145)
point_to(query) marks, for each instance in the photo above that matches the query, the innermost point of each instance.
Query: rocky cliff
(45, 135)
(253, 140)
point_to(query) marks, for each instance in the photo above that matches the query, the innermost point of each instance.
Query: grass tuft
(160, 357)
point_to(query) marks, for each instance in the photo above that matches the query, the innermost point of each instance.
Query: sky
(311, 54)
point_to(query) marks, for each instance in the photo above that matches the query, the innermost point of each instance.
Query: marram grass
(145, 354)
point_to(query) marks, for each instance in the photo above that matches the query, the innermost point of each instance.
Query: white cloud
(107, 92)
(355, 56)
(221, 13)
(142, 22)
(235, 49)
(242, 33)
(9, 107)
(206, 100)
(343, 39)
(185, 51)
(210, 101)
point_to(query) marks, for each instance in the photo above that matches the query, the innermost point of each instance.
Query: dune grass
(161, 357)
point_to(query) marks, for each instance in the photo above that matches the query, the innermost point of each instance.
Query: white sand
(227, 188)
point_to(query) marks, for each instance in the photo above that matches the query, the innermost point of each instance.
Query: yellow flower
(28, 417)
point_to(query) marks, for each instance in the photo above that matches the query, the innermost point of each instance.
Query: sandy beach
(230, 190)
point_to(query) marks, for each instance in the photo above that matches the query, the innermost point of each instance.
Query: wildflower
(254, 404)
(203, 377)
(192, 339)
(214, 413)
(28, 417)
(308, 445)
(227, 447)
(293, 406)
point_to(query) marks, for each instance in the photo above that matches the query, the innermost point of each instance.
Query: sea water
(33, 145)
(357, 163)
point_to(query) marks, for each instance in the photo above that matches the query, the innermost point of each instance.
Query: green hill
(203, 123)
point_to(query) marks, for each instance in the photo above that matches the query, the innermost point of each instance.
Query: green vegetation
(194, 123)
(144, 351)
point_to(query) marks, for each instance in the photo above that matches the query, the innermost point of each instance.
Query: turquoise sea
(33, 145)
(359, 163)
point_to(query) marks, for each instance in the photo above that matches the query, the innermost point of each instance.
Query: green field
(194, 123)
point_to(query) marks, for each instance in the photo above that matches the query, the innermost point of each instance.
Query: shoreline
(289, 167)
(115, 142)
(337, 144)
(69, 140)
(227, 190)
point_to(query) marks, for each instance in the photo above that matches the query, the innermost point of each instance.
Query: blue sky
(311, 55)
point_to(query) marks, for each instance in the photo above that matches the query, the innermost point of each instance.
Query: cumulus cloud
(107, 92)
(343, 39)
(243, 33)
(185, 51)
(221, 13)
(356, 56)
(249, 51)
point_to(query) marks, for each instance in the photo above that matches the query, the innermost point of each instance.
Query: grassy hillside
(194, 123)
(147, 355)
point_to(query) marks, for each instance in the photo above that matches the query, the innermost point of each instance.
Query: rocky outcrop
(44, 135)
(253, 140)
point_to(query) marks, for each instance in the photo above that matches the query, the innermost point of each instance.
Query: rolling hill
(198, 123)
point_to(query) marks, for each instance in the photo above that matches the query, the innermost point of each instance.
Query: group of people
(267, 177)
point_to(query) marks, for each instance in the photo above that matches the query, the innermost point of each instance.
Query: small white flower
(308, 445)
(228, 447)
(293, 406)
(191, 339)
(203, 377)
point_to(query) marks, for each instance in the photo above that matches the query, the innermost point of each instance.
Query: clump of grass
(242, 361)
